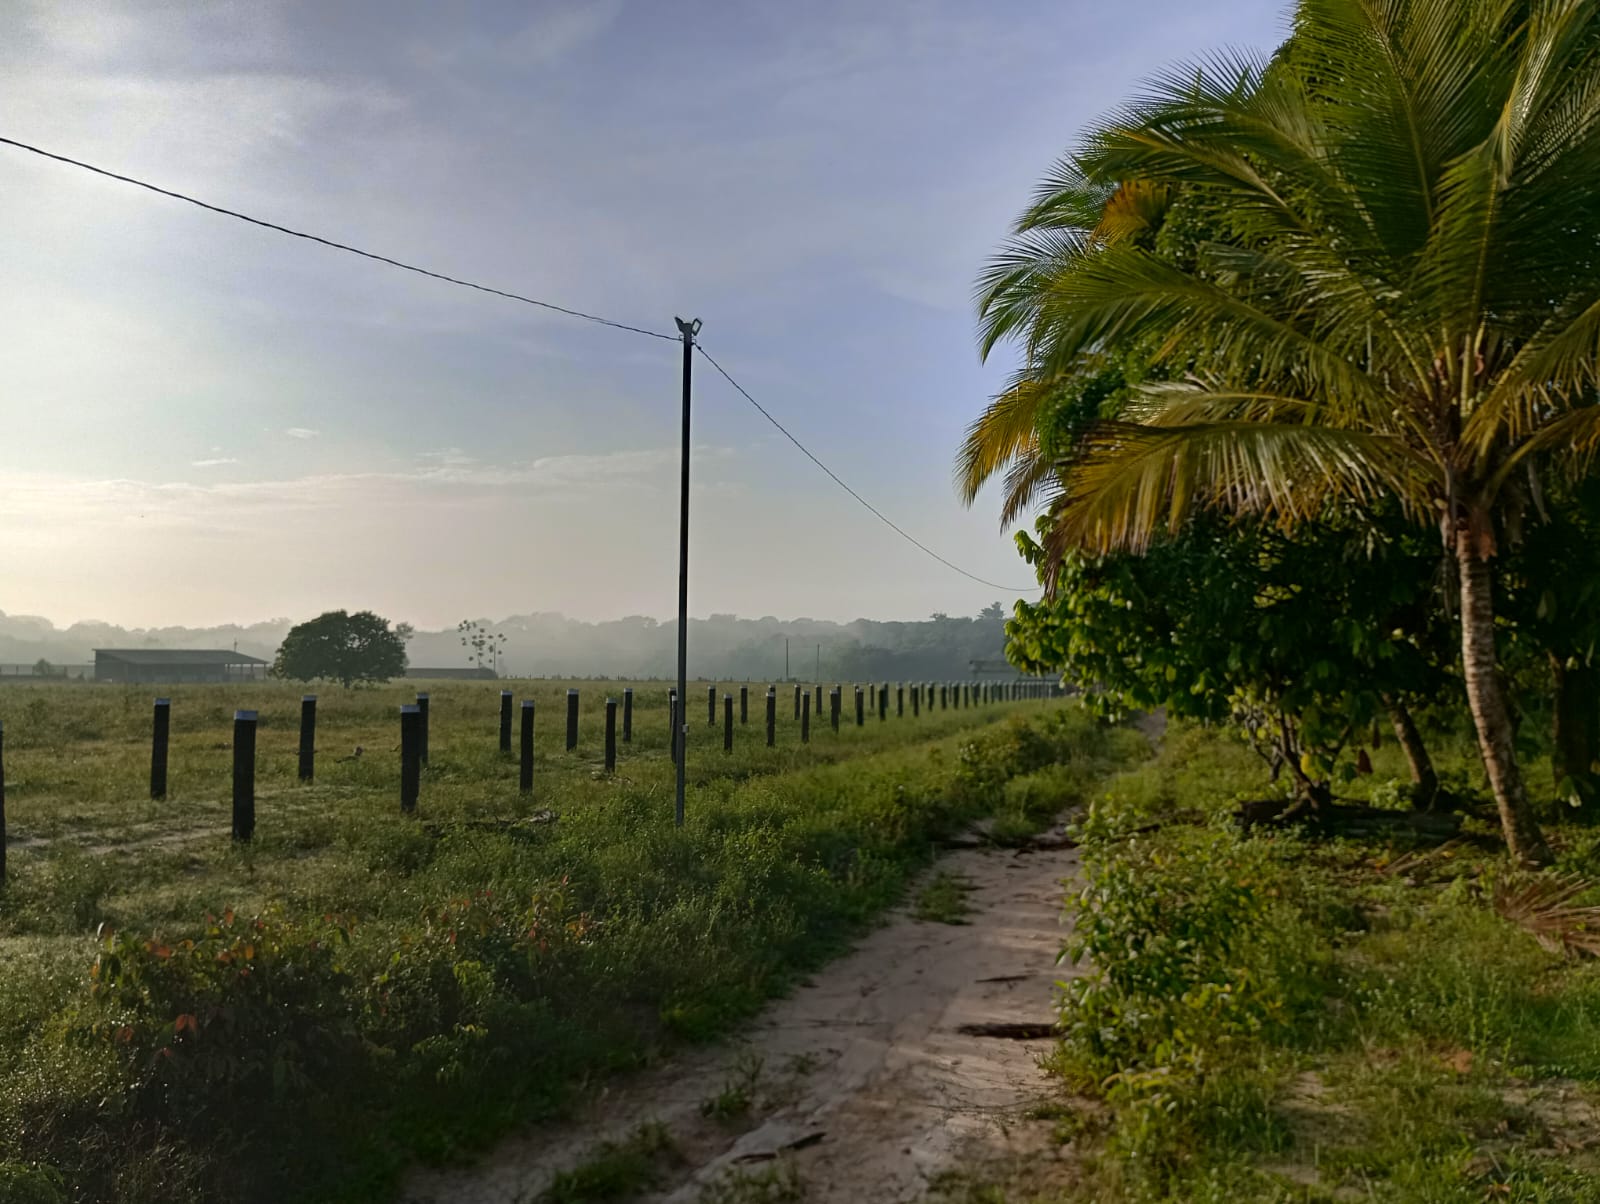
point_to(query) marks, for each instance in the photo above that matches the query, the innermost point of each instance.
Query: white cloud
(215, 462)
(301, 432)
(553, 36)
(47, 503)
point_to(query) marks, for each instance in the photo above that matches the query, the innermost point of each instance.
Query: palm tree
(1401, 296)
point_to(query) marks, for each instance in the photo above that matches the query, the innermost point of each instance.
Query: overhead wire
(337, 246)
(879, 514)
(510, 296)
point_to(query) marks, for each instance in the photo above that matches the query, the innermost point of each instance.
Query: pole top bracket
(688, 329)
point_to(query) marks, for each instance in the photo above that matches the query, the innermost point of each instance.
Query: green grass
(617, 1170)
(776, 1184)
(302, 1017)
(734, 1102)
(1275, 1019)
(943, 899)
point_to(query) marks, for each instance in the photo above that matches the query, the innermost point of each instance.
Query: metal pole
(505, 721)
(687, 331)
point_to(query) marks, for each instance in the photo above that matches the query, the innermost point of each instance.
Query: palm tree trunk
(1422, 771)
(1490, 713)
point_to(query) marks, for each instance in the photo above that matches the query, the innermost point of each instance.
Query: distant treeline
(552, 645)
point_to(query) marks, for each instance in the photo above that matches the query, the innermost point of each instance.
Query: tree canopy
(343, 647)
(1364, 270)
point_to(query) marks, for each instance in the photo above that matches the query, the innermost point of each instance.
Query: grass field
(186, 1018)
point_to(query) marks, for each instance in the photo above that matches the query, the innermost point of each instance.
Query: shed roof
(178, 656)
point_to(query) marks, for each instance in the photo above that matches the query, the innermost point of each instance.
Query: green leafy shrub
(250, 1010)
(30, 1184)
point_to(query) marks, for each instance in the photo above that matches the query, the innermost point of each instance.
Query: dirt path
(867, 1088)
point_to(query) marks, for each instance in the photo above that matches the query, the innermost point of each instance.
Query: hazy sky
(207, 422)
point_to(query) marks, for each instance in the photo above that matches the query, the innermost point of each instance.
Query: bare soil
(868, 1083)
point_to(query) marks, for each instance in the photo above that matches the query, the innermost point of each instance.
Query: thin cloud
(301, 432)
(216, 462)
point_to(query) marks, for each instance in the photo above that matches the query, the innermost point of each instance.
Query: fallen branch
(1337, 819)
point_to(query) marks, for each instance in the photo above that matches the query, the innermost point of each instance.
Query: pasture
(190, 1017)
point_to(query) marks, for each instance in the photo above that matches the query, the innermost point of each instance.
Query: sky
(203, 422)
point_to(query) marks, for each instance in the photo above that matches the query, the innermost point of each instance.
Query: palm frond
(1030, 480)
(1125, 292)
(1544, 906)
(1006, 433)
(1572, 440)
(1133, 481)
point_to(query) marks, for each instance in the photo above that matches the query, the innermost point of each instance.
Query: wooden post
(819, 704)
(308, 737)
(410, 757)
(627, 715)
(900, 701)
(916, 700)
(422, 728)
(525, 779)
(2, 802)
(805, 718)
(711, 706)
(160, 727)
(672, 724)
(505, 721)
(611, 735)
(833, 707)
(883, 703)
(944, 696)
(727, 723)
(744, 705)
(861, 716)
(797, 692)
(772, 715)
(244, 775)
(572, 719)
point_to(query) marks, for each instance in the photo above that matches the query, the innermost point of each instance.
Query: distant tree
(43, 668)
(485, 645)
(992, 613)
(342, 647)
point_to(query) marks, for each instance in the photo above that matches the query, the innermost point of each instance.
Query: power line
(337, 246)
(881, 516)
(510, 296)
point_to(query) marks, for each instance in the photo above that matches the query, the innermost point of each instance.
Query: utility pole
(785, 658)
(687, 331)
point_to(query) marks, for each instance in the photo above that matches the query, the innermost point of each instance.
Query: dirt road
(863, 1085)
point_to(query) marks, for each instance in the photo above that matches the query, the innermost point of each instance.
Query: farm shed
(176, 665)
